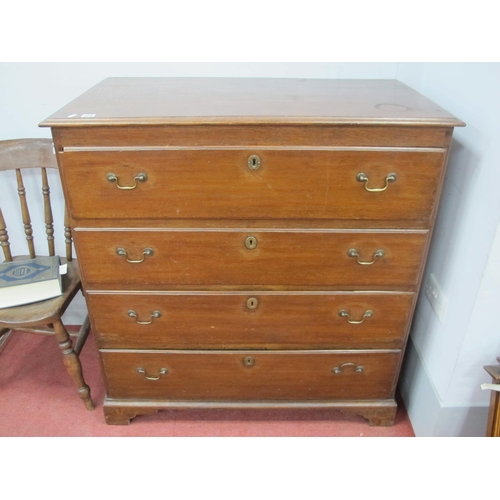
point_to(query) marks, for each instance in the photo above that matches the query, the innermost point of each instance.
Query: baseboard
(429, 416)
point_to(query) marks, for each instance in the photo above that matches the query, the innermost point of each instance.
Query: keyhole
(249, 361)
(252, 303)
(251, 242)
(253, 162)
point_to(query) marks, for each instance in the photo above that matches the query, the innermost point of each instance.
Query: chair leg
(72, 363)
(82, 336)
(5, 335)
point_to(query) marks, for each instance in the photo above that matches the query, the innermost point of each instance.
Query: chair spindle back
(32, 153)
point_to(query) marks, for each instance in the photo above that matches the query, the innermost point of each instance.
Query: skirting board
(428, 416)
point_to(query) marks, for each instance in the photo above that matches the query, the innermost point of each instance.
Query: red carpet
(39, 399)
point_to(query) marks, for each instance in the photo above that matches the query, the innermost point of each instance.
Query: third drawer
(262, 320)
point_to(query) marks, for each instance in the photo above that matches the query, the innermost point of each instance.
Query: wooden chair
(42, 317)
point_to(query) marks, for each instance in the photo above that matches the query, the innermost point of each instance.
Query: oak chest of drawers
(251, 243)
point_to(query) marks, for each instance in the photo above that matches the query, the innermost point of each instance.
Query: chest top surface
(157, 101)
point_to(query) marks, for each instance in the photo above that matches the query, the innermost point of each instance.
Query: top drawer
(265, 183)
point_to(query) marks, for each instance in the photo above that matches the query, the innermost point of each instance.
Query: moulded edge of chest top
(252, 135)
(398, 225)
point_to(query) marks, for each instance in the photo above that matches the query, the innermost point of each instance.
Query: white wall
(465, 252)
(30, 92)
(444, 363)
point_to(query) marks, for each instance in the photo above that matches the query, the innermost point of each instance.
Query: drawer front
(250, 375)
(250, 321)
(278, 184)
(260, 258)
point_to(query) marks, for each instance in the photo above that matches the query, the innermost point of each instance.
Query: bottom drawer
(250, 375)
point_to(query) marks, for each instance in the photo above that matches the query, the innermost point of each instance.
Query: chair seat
(46, 311)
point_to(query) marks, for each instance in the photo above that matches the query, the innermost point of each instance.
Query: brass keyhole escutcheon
(253, 162)
(249, 361)
(251, 242)
(252, 303)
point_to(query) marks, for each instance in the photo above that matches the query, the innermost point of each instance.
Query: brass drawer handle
(147, 252)
(362, 177)
(253, 162)
(251, 242)
(249, 361)
(338, 369)
(163, 371)
(138, 178)
(354, 253)
(133, 314)
(344, 314)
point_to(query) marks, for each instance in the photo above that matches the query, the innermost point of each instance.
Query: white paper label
(493, 387)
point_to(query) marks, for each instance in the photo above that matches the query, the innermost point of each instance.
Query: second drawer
(161, 258)
(261, 320)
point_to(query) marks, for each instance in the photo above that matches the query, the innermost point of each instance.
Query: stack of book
(27, 281)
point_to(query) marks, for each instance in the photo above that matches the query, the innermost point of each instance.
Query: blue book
(27, 281)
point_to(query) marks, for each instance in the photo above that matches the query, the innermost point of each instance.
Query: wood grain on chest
(251, 242)
(257, 183)
(258, 320)
(162, 258)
